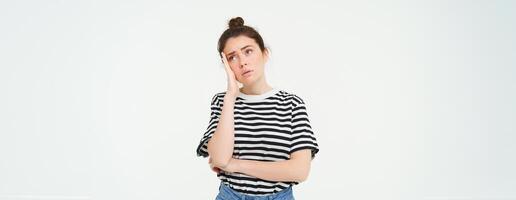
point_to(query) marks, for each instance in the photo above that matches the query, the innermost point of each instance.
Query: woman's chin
(249, 82)
(246, 81)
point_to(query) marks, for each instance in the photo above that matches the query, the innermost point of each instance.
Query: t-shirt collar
(258, 97)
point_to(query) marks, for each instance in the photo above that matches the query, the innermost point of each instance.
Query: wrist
(230, 96)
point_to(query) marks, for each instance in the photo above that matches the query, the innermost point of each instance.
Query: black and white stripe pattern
(266, 129)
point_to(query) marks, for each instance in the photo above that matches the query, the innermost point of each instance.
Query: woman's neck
(257, 88)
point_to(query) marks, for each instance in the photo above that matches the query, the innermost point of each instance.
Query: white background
(109, 99)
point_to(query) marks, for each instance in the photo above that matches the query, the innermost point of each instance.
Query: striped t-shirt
(268, 127)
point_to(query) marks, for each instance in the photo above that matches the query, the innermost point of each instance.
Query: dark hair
(236, 28)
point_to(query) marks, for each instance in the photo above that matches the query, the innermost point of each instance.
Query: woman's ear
(266, 54)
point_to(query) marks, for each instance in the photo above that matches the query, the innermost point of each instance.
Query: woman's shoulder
(217, 97)
(219, 94)
(290, 96)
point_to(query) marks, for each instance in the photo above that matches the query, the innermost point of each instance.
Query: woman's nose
(243, 62)
(242, 65)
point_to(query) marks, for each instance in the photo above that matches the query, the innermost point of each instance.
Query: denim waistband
(225, 192)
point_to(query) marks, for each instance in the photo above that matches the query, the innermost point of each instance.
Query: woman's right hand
(233, 88)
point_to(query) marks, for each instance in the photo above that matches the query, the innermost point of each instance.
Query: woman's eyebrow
(233, 52)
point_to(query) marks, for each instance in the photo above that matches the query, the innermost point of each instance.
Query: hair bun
(236, 22)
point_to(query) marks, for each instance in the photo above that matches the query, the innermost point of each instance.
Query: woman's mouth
(247, 73)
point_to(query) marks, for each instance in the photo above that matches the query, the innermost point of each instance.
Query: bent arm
(296, 169)
(220, 146)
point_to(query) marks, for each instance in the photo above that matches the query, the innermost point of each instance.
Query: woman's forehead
(239, 43)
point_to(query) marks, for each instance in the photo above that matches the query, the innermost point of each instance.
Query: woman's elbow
(302, 174)
(217, 159)
(220, 163)
(301, 161)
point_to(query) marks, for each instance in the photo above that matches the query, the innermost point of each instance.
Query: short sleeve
(202, 148)
(302, 134)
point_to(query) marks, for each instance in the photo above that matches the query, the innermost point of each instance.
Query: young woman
(259, 138)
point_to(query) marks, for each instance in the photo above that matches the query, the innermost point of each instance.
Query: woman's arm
(220, 146)
(296, 169)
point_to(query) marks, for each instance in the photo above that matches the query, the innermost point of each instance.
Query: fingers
(226, 64)
(231, 76)
(224, 59)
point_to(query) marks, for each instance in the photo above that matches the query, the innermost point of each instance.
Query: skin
(242, 54)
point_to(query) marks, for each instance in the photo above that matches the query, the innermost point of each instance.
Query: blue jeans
(226, 193)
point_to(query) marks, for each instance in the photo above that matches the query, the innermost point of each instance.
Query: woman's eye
(248, 51)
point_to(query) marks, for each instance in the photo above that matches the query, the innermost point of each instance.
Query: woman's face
(245, 59)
